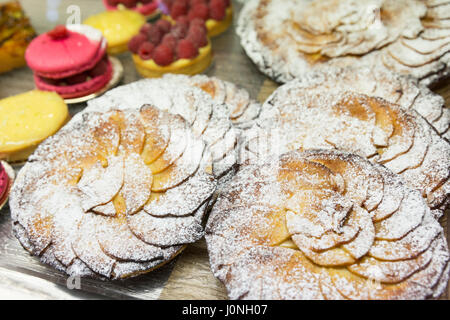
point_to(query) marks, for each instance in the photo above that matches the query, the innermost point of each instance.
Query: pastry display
(216, 14)
(70, 60)
(210, 120)
(162, 48)
(16, 33)
(145, 7)
(113, 194)
(118, 27)
(243, 109)
(26, 120)
(325, 224)
(298, 118)
(286, 38)
(6, 181)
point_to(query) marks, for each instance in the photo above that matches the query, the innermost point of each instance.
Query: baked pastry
(377, 82)
(325, 224)
(6, 181)
(70, 60)
(210, 120)
(16, 33)
(118, 27)
(162, 48)
(216, 14)
(243, 109)
(145, 7)
(113, 194)
(27, 119)
(374, 128)
(286, 38)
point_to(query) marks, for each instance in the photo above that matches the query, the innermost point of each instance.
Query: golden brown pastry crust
(325, 224)
(113, 194)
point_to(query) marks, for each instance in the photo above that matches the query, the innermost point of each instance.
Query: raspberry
(146, 50)
(163, 55)
(170, 41)
(99, 69)
(217, 9)
(154, 35)
(136, 42)
(199, 11)
(227, 3)
(164, 26)
(192, 3)
(183, 20)
(186, 50)
(113, 3)
(197, 35)
(59, 32)
(145, 29)
(129, 3)
(199, 23)
(179, 8)
(179, 31)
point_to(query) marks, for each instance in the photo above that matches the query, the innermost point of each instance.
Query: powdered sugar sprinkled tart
(306, 117)
(287, 38)
(325, 224)
(113, 194)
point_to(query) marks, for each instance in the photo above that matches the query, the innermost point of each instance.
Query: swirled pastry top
(285, 38)
(113, 194)
(374, 128)
(209, 119)
(325, 225)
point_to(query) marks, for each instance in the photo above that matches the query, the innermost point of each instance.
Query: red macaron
(70, 60)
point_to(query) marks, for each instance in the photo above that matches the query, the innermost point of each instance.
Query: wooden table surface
(189, 276)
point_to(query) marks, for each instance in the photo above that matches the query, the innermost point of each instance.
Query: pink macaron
(70, 60)
(145, 7)
(4, 184)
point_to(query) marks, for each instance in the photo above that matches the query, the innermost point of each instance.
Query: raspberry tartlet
(217, 14)
(6, 180)
(145, 7)
(70, 60)
(162, 47)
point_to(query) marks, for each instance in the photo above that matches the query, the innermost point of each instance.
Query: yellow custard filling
(27, 119)
(118, 27)
(149, 69)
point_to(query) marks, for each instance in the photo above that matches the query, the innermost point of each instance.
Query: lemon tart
(26, 120)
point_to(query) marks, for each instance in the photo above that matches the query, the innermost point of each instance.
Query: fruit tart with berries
(163, 47)
(145, 7)
(217, 14)
(16, 33)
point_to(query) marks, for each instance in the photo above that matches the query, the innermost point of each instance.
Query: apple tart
(113, 194)
(325, 224)
(210, 120)
(243, 109)
(376, 82)
(286, 38)
(403, 141)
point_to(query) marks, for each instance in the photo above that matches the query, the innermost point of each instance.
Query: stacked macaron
(145, 7)
(70, 60)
